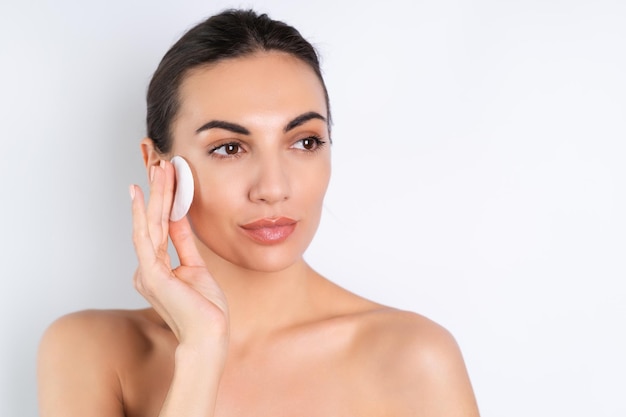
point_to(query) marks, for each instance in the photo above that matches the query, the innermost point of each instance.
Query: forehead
(263, 84)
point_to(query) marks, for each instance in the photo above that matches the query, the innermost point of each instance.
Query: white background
(478, 178)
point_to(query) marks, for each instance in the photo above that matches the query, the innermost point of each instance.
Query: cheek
(313, 186)
(215, 198)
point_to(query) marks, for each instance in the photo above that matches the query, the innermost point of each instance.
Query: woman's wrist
(200, 355)
(197, 372)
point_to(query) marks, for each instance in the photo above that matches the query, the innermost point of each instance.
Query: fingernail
(152, 173)
(162, 163)
(131, 190)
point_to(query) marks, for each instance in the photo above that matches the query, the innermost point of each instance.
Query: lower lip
(271, 235)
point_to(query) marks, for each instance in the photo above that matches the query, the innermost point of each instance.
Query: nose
(271, 181)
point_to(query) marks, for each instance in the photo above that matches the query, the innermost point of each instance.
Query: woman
(244, 326)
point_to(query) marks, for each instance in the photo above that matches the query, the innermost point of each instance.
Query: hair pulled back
(230, 34)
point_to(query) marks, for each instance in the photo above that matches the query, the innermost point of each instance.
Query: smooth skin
(243, 328)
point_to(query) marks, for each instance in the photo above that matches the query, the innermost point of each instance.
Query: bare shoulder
(407, 333)
(102, 332)
(81, 355)
(416, 366)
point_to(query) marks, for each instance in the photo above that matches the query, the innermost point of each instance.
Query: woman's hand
(186, 297)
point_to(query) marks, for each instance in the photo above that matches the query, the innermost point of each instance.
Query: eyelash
(215, 148)
(319, 144)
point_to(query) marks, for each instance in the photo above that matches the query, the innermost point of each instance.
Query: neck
(260, 303)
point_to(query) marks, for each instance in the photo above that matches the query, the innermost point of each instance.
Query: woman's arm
(75, 375)
(435, 379)
(83, 356)
(418, 369)
(444, 389)
(187, 298)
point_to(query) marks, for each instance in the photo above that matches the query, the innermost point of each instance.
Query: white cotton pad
(184, 189)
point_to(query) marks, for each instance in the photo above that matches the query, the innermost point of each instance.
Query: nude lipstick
(270, 231)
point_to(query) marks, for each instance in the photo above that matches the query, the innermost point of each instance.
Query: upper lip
(269, 222)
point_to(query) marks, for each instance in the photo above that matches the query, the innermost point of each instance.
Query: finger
(154, 300)
(158, 233)
(141, 237)
(184, 242)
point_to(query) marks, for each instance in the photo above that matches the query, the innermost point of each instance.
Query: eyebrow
(236, 128)
(221, 124)
(303, 118)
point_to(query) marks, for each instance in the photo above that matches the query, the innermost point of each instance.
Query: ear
(151, 156)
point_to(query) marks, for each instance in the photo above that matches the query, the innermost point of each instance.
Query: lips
(270, 231)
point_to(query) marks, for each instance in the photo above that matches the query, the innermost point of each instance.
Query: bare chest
(298, 376)
(291, 384)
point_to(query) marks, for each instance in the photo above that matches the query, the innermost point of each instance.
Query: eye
(309, 144)
(227, 149)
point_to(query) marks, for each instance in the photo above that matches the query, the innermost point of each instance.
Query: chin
(268, 259)
(270, 268)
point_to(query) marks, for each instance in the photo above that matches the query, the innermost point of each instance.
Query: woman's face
(254, 131)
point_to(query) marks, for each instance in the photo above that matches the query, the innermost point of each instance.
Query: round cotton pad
(184, 189)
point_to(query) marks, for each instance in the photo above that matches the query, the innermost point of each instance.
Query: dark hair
(230, 34)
